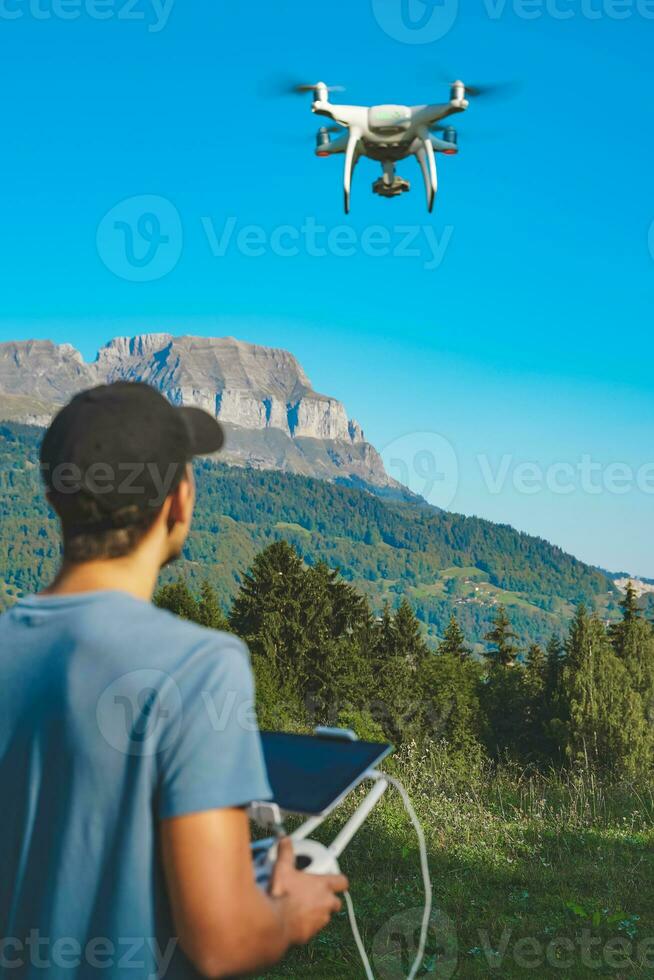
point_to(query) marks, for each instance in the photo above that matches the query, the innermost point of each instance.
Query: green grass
(534, 876)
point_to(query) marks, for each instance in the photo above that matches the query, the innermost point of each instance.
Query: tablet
(311, 774)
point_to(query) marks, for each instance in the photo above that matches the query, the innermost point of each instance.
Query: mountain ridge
(390, 549)
(273, 417)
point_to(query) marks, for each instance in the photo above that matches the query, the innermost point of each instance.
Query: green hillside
(389, 549)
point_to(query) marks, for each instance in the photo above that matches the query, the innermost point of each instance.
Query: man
(128, 749)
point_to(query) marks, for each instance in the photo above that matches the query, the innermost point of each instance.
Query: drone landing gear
(427, 161)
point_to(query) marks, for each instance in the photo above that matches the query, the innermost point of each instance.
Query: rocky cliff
(273, 417)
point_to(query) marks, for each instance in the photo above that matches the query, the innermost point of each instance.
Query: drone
(388, 134)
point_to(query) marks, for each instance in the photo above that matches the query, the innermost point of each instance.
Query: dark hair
(98, 542)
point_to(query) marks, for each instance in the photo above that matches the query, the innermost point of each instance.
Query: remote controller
(310, 856)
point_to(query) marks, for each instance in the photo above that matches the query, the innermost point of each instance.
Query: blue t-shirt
(113, 715)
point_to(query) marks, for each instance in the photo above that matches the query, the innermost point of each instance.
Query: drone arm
(346, 115)
(427, 115)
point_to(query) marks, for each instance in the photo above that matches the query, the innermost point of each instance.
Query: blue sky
(512, 343)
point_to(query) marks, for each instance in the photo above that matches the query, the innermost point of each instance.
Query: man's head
(116, 465)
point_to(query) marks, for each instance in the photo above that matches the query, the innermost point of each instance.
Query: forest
(530, 767)
(321, 656)
(389, 550)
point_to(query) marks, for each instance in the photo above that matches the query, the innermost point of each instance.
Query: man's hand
(309, 900)
(227, 925)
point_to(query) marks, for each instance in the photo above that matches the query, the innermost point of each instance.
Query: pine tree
(337, 624)
(409, 644)
(538, 742)
(267, 611)
(629, 605)
(606, 721)
(398, 651)
(178, 598)
(450, 688)
(502, 637)
(209, 612)
(454, 641)
(633, 642)
(555, 660)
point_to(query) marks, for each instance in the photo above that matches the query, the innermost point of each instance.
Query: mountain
(272, 416)
(441, 562)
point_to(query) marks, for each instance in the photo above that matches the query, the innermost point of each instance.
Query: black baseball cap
(124, 447)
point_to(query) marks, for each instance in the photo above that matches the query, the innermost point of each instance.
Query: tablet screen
(310, 774)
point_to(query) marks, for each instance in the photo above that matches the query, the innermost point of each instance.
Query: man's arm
(225, 924)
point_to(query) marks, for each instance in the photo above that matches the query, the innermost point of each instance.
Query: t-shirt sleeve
(211, 757)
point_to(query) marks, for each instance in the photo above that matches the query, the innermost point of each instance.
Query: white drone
(388, 133)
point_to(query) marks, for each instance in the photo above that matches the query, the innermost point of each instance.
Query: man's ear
(181, 502)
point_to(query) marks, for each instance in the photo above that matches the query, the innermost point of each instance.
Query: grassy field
(544, 876)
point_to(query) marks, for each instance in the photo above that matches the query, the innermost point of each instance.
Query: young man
(128, 747)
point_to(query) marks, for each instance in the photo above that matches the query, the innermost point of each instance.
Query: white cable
(424, 866)
(357, 937)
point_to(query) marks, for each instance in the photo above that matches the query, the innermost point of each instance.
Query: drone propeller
(301, 87)
(488, 90)
(494, 90)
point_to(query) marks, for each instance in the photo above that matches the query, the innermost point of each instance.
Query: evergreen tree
(209, 612)
(537, 715)
(633, 642)
(398, 651)
(502, 637)
(606, 722)
(267, 611)
(337, 623)
(409, 645)
(451, 710)
(555, 661)
(454, 641)
(178, 598)
(629, 605)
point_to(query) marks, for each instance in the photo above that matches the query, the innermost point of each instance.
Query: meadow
(534, 875)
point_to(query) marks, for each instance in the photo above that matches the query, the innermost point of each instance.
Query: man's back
(113, 715)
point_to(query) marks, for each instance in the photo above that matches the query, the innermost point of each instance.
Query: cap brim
(207, 434)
